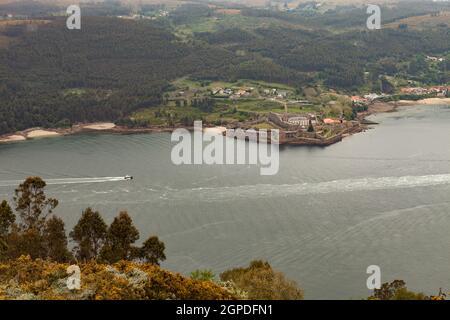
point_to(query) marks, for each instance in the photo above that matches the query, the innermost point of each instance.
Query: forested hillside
(111, 67)
(52, 77)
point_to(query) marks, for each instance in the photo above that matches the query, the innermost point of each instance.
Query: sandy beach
(382, 107)
(429, 101)
(12, 138)
(438, 101)
(215, 130)
(100, 126)
(42, 133)
(39, 133)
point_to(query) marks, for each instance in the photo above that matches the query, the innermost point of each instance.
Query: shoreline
(392, 106)
(109, 127)
(97, 127)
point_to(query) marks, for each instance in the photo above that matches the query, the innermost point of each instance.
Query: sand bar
(435, 101)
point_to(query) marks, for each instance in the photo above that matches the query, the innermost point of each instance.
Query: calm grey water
(379, 197)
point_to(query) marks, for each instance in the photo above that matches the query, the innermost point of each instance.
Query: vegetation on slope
(262, 282)
(397, 290)
(25, 278)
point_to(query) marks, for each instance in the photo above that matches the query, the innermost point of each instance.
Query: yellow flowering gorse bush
(25, 278)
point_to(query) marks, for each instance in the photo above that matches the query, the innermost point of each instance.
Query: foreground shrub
(397, 290)
(261, 282)
(25, 278)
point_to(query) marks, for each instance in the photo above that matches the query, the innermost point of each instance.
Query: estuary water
(381, 197)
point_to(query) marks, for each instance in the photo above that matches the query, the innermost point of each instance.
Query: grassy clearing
(223, 20)
(265, 106)
(178, 108)
(207, 85)
(264, 125)
(185, 115)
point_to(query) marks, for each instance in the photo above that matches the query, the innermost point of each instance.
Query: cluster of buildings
(239, 92)
(332, 121)
(10, 16)
(232, 93)
(308, 6)
(361, 101)
(440, 91)
(159, 14)
(435, 59)
(275, 93)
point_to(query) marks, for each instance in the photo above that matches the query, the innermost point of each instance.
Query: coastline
(96, 127)
(392, 106)
(428, 101)
(109, 127)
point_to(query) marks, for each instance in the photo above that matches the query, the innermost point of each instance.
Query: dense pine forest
(52, 77)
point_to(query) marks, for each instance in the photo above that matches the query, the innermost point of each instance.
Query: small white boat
(128, 177)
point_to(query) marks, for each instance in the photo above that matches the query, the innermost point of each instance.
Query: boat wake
(63, 181)
(256, 191)
(335, 186)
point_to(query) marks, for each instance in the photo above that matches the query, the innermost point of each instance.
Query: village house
(415, 90)
(359, 101)
(282, 94)
(435, 59)
(301, 102)
(215, 91)
(221, 91)
(241, 93)
(373, 96)
(227, 91)
(331, 121)
(440, 91)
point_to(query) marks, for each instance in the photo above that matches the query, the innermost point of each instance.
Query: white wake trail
(335, 186)
(62, 181)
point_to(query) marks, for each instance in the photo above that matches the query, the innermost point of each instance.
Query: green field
(178, 108)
